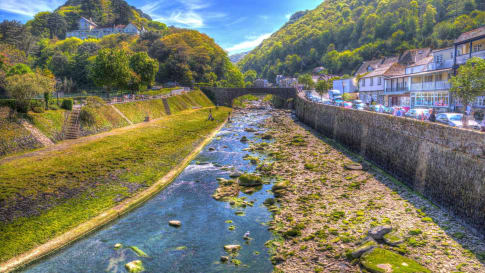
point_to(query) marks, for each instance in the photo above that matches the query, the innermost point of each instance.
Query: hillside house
(89, 29)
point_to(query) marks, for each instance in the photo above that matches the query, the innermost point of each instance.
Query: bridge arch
(225, 96)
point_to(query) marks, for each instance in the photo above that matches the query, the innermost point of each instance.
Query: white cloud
(288, 16)
(28, 7)
(248, 44)
(185, 13)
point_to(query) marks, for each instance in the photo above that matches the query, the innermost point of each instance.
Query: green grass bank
(47, 195)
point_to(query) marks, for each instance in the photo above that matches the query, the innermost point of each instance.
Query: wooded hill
(340, 34)
(184, 56)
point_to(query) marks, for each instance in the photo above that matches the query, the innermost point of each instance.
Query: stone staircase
(167, 107)
(72, 127)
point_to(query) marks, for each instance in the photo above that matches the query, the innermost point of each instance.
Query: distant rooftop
(470, 35)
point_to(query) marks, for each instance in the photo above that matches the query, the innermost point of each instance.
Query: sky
(236, 25)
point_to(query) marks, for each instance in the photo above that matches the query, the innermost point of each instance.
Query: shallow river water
(198, 245)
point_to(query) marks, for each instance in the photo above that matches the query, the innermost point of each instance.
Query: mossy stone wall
(445, 164)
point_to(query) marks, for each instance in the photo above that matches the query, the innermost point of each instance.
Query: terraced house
(420, 77)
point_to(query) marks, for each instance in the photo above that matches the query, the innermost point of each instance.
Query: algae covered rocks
(250, 180)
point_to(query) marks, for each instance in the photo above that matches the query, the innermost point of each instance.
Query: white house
(89, 29)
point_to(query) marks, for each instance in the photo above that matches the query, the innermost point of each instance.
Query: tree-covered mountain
(184, 56)
(340, 34)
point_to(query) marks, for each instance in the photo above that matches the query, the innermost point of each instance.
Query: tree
(111, 69)
(307, 80)
(145, 67)
(57, 25)
(24, 87)
(250, 76)
(322, 87)
(19, 69)
(39, 25)
(470, 81)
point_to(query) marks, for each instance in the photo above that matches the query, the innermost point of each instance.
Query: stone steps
(167, 106)
(72, 125)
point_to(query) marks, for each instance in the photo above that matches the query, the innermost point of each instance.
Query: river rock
(224, 259)
(393, 239)
(235, 174)
(175, 223)
(232, 248)
(211, 149)
(244, 139)
(135, 266)
(267, 137)
(250, 180)
(382, 260)
(365, 247)
(250, 130)
(118, 246)
(354, 167)
(378, 233)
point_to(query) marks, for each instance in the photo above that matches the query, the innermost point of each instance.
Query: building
(470, 44)
(89, 29)
(345, 85)
(371, 84)
(261, 83)
(286, 82)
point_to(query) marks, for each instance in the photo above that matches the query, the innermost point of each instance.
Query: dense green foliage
(184, 56)
(340, 34)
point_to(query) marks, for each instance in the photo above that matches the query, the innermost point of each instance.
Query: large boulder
(365, 247)
(250, 180)
(380, 260)
(232, 248)
(377, 233)
(135, 266)
(175, 223)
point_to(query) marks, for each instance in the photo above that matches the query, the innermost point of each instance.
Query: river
(198, 244)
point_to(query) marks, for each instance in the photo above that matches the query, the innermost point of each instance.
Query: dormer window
(370, 69)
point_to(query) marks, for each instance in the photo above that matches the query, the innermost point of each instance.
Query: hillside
(340, 34)
(235, 58)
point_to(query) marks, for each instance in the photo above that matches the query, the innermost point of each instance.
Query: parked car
(417, 113)
(455, 120)
(344, 104)
(358, 105)
(378, 108)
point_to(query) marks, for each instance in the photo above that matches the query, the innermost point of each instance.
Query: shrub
(67, 104)
(87, 116)
(38, 109)
(95, 101)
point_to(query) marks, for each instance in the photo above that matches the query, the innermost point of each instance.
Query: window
(437, 99)
(439, 59)
(480, 102)
(428, 78)
(463, 49)
(477, 47)
(371, 81)
(379, 81)
(362, 81)
(439, 77)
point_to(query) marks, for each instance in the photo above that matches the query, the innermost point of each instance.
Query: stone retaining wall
(445, 164)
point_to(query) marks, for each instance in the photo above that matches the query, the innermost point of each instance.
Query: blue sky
(236, 25)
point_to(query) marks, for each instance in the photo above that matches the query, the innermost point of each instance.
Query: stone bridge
(225, 96)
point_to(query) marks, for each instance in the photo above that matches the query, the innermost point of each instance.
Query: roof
(89, 20)
(443, 49)
(471, 35)
(424, 61)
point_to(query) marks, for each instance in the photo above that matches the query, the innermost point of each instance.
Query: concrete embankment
(445, 164)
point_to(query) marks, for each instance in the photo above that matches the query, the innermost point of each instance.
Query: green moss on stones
(385, 261)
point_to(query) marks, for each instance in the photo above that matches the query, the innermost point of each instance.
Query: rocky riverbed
(337, 213)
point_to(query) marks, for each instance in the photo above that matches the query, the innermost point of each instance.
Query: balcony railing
(429, 86)
(399, 88)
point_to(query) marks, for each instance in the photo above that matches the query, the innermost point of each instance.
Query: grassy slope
(106, 119)
(137, 111)
(95, 176)
(14, 138)
(188, 101)
(50, 122)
